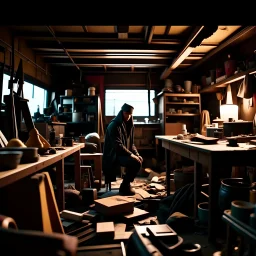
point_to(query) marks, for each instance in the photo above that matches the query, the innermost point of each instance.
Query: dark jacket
(115, 144)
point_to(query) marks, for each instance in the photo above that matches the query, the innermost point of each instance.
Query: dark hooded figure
(119, 150)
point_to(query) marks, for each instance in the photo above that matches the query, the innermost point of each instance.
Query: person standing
(119, 150)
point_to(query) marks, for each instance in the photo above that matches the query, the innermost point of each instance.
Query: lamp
(228, 111)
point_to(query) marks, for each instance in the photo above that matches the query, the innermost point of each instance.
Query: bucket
(91, 91)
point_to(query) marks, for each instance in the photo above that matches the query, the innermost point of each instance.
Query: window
(35, 94)
(114, 99)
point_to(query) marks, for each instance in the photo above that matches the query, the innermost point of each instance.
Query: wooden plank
(24, 170)
(217, 86)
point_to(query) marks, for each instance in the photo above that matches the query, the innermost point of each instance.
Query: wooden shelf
(222, 84)
(167, 114)
(181, 103)
(171, 94)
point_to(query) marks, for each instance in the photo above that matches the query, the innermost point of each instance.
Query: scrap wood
(143, 193)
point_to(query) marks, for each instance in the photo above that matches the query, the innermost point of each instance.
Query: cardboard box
(114, 205)
(105, 229)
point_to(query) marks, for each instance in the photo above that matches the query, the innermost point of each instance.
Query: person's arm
(134, 148)
(115, 133)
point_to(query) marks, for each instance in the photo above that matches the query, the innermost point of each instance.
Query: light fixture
(228, 111)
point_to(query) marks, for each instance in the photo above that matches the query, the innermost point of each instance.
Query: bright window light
(36, 95)
(114, 99)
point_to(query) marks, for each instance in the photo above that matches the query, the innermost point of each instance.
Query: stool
(87, 169)
(97, 158)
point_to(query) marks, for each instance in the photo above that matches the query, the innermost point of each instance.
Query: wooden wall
(34, 67)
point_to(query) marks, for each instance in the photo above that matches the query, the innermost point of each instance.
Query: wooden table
(214, 157)
(24, 170)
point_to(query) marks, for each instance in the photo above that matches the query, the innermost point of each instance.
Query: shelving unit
(89, 108)
(224, 83)
(171, 103)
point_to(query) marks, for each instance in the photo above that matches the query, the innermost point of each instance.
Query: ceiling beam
(167, 30)
(197, 36)
(89, 36)
(102, 47)
(85, 29)
(53, 54)
(187, 49)
(149, 32)
(79, 61)
(53, 34)
(223, 45)
(122, 31)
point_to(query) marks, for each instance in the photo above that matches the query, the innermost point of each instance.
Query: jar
(91, 91)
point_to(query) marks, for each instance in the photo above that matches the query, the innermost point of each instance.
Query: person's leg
(132, 168)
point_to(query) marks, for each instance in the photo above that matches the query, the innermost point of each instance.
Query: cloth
(246, 87)
(116, 145)
(127, 108)
(93, 138)
(205, 121)
(181, 201)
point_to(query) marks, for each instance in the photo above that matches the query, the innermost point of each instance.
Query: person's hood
(119, 119)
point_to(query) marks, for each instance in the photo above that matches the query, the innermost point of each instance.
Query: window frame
(29, 98)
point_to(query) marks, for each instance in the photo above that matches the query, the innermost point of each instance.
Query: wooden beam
(106, 61)
(222, 46)
(149, 34)
(167, 30)
(187, 49)
(85, 29)
(53, 34)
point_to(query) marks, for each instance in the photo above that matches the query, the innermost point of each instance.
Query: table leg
(98, 169)
(197, 185)
(60, 195)
(77, 169)
(168, 171)
(214, 213)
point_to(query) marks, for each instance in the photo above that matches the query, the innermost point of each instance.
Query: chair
(97, 170)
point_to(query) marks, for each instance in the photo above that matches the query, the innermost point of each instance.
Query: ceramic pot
(203, 212)
(233, 189)
(178, 88)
